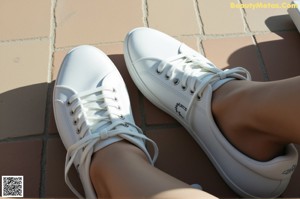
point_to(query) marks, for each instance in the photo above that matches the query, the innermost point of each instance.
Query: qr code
(12, 186)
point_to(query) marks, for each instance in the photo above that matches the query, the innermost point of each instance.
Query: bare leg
(259, 118)
(121, 170)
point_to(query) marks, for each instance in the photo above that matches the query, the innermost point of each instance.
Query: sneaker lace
(196, 74)
(96, 115)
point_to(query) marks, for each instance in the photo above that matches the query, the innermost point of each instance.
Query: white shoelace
(96, 119)
(199, 73)
(196, 74)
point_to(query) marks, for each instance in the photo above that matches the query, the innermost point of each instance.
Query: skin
(258, 118)
(121, 170)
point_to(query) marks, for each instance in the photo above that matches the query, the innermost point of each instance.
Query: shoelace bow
(196, 74)
(95, 121)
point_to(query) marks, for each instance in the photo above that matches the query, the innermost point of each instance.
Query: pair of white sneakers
(92, 109)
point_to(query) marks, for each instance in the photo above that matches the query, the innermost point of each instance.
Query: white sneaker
(180, 81)
(92, 110)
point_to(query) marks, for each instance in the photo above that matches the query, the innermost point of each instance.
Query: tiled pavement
(36, 34)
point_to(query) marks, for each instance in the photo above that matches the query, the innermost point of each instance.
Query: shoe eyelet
(183, 88)
(158, 72)
(75, 122)
(121, 117)
(198, 98)
(167, 77)
(192, 92)
(114, 90)
(176, 81)
(71, 112)
(116, 99)
(68, 103)
(119, 107)
(78, 131)
(126, 124)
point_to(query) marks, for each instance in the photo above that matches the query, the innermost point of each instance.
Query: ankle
(111, 160)
(236, 117)
(111, 156)
(228, 107)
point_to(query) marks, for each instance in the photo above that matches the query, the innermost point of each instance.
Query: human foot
(181, 81)
(92, 110)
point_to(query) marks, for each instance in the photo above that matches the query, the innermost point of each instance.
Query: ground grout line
(232, 35)
(27, 138)
(43, 163)
(199, 18)
(262, 65)
(203, 36)
(52, 39)
(145, 13)
(201, 47)
(44, 147)
(22, 138)
(199, 36)
(45, 138)
(57, 49)
(24, 40)
(244, 14)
